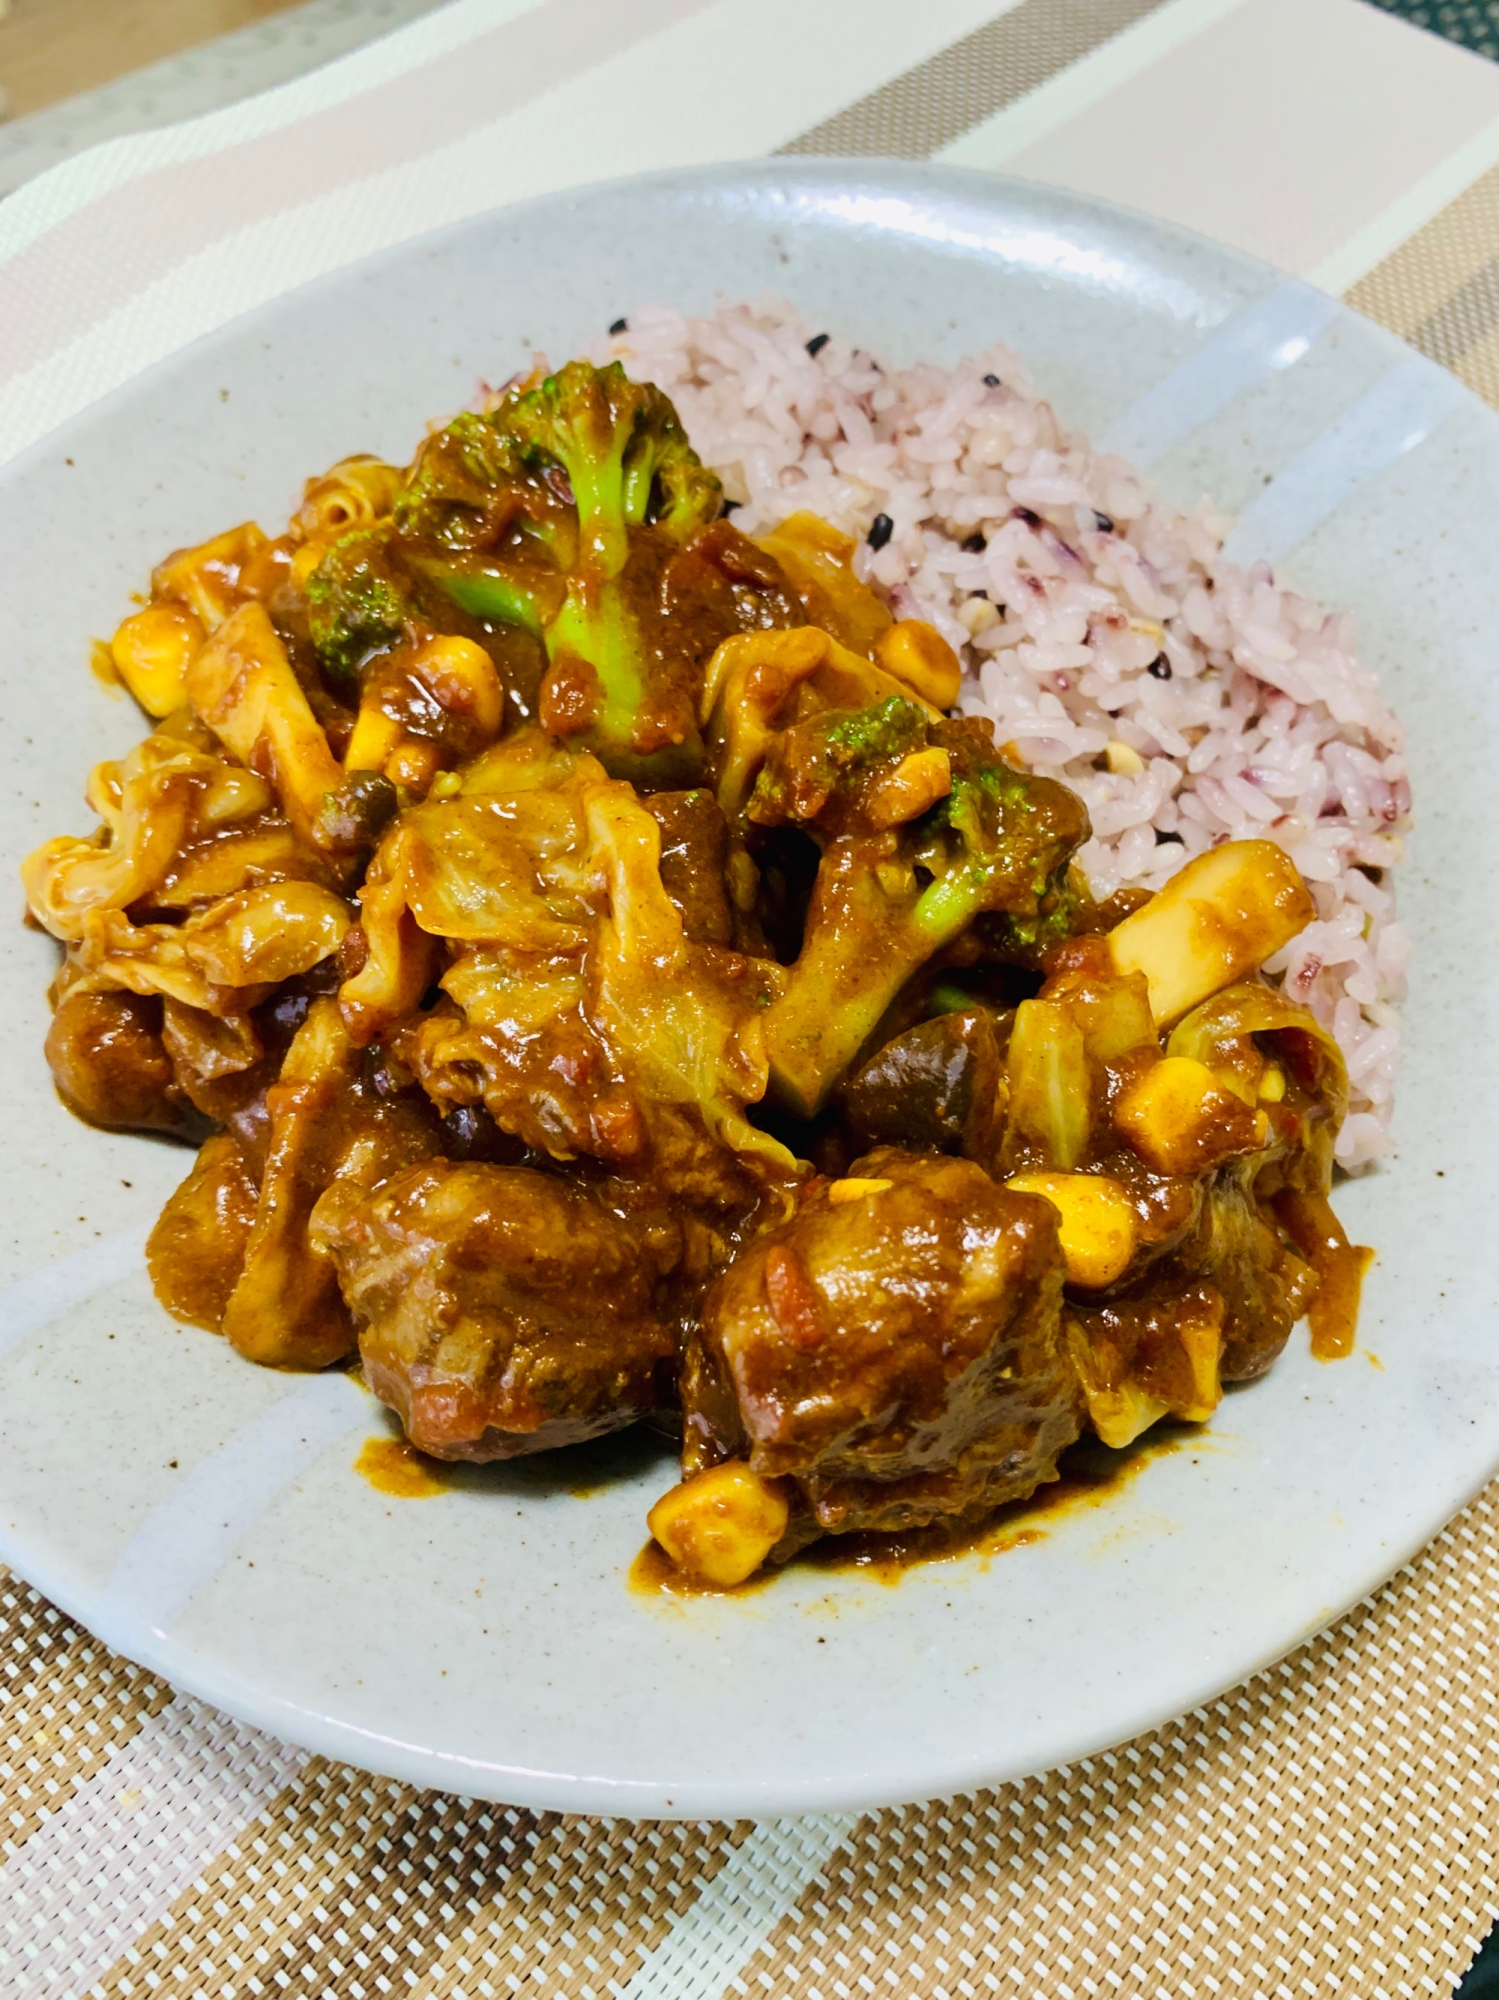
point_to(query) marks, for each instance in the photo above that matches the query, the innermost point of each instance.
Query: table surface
(1326, 1829)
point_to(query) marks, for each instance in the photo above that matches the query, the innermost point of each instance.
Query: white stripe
(1074, 91)
(588, 128)
(1343, 267)
(59, 193)
(762, 1881)
(183, 1542)
(1266, 337)
(114, 1856)
(206, 78)
(1395, 416)
(46, 1295)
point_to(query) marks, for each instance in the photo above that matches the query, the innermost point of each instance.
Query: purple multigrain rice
(1090, 614)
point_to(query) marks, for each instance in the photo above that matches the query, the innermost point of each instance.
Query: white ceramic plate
(204, 1517)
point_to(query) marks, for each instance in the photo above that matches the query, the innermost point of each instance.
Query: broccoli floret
(533, 514)
(1011, 837)
(459, 486)
(889, 897)
(358, 604)
(820, 766)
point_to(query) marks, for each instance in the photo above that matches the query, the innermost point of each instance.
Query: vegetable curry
(606, 981)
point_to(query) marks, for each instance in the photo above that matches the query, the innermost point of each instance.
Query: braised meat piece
(694, 856)
(501, 1310)
(1266, 1285)
(894, 1348)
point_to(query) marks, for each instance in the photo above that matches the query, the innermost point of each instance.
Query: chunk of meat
(720, 583)
(220, 1062)
(501, 1310)
(107, 1060)
(1239, 1248)
(694, 856)
(895, 1349)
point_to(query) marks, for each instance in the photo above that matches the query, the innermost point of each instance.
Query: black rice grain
(619, 326)
(881, 528)
(818, 342)
(1159, 668)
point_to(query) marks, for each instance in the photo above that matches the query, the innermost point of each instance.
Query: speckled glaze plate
(205, 1517)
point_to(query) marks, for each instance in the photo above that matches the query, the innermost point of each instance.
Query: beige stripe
(1416, 281)
(1440, 290)
(1288, 163)
(166, 216)
(1478, 366)
(65, 1704)
(915, 115)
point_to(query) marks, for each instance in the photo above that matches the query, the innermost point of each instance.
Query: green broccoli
(538, 514)
(819, 767)
(891, 896)
(358, 602)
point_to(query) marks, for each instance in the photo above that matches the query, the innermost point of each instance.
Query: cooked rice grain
(1189, 701)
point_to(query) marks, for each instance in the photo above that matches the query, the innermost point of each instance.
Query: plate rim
(324, 1733)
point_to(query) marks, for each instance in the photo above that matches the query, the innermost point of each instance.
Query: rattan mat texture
(1328, 1828)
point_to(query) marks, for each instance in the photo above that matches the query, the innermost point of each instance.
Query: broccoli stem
(863, 943)
(885, 904)
(495, 595)
(595, 624)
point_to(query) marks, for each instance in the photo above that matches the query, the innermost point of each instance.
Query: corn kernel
(856, 1190)
(917, 781)
(917, 653)
(151, 652)
(1219, 919)
(1122, 760)
(306, 560)
(721, 1524)
(1181, 1120)
(1272, 1085)
(462, 678)
(413, 764)
(1098, 1229)
(375, 737)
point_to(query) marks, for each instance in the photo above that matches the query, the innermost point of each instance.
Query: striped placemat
(1326, 1829)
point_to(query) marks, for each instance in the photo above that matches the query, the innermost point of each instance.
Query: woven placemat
(1328, 1828)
